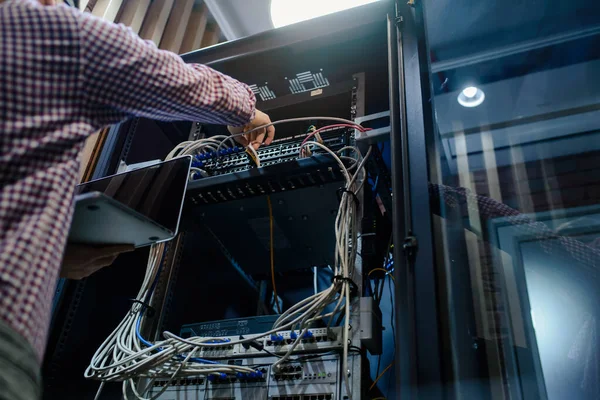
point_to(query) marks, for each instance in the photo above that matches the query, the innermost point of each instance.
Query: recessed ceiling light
(287, 12)
(471, 97)
(470, 92)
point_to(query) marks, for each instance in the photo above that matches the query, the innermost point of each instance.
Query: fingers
(258, 137)
(241, 140)
(119, 248)
(88, 269)
(82, 260)
(101, 263)
(270, 135)
(97, 253)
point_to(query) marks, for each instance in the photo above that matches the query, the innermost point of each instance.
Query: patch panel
(288, 372)
(176, 392)
(259, 375)
(216, 351)
(314, 339)
(190, 381)
(312, 379)
(241, 386)
(322, 396)
(323, 372)
(246, 182)
(236, 160)
(319, 339)
(318, 378)
(229, 327)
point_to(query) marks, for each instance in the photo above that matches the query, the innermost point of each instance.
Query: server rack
(402, 27)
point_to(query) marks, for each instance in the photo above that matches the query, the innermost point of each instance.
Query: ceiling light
(471, 97)
(287, 12)
(470, 92)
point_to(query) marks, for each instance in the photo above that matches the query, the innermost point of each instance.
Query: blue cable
(201, 360)
(390, 265)
(138, 334)
(146, 300)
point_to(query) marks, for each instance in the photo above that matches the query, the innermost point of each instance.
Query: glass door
(514, 195)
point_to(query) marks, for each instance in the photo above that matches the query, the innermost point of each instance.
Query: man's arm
(125, 76)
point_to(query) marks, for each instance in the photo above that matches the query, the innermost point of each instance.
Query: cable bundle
(194, 147)
(346, 233)
(125, 355)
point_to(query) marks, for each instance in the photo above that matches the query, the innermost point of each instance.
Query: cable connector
(254, 344)
(353, 286)
(252, 157)
(410, 245)
(319, 138)
(150, 311)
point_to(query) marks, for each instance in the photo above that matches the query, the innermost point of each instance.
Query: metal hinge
(410, 245)
(399, 21)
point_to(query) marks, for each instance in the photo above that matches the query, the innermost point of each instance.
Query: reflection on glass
(516, 196)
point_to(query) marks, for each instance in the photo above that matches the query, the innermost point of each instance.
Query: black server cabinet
(353, 67)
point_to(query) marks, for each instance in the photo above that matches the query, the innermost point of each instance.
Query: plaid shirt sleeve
(64, 75)
(124, 75)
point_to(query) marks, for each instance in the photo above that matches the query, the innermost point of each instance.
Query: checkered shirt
(63, 76)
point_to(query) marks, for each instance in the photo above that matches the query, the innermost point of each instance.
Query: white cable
(190, 147)
(283, 121)
(315, 280)
(124, 357)
(255, 153)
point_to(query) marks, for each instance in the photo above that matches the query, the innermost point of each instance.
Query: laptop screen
(156, 191)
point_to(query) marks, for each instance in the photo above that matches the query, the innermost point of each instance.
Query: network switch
(235, 159)
(230, 327)
(320, 169)
(319, 378)
(316, 340)
(308, 379)
(326, 396)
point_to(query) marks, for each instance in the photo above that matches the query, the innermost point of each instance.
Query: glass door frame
(418, 341)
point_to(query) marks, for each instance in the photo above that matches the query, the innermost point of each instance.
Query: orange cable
(272, 254)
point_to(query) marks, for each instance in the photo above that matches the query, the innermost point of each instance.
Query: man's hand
(82, 260)
(257, 137)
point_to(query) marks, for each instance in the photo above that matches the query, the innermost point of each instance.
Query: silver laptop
(139, 207)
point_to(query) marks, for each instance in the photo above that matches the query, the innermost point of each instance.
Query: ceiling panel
(241, 18)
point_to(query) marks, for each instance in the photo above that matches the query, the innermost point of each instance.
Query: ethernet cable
(300, 119)
(255, 156)
(124, 356)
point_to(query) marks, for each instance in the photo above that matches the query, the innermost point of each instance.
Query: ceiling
(241, 18)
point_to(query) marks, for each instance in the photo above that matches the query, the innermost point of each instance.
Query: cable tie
(354, 286)
(341, 191)
(145, 306)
